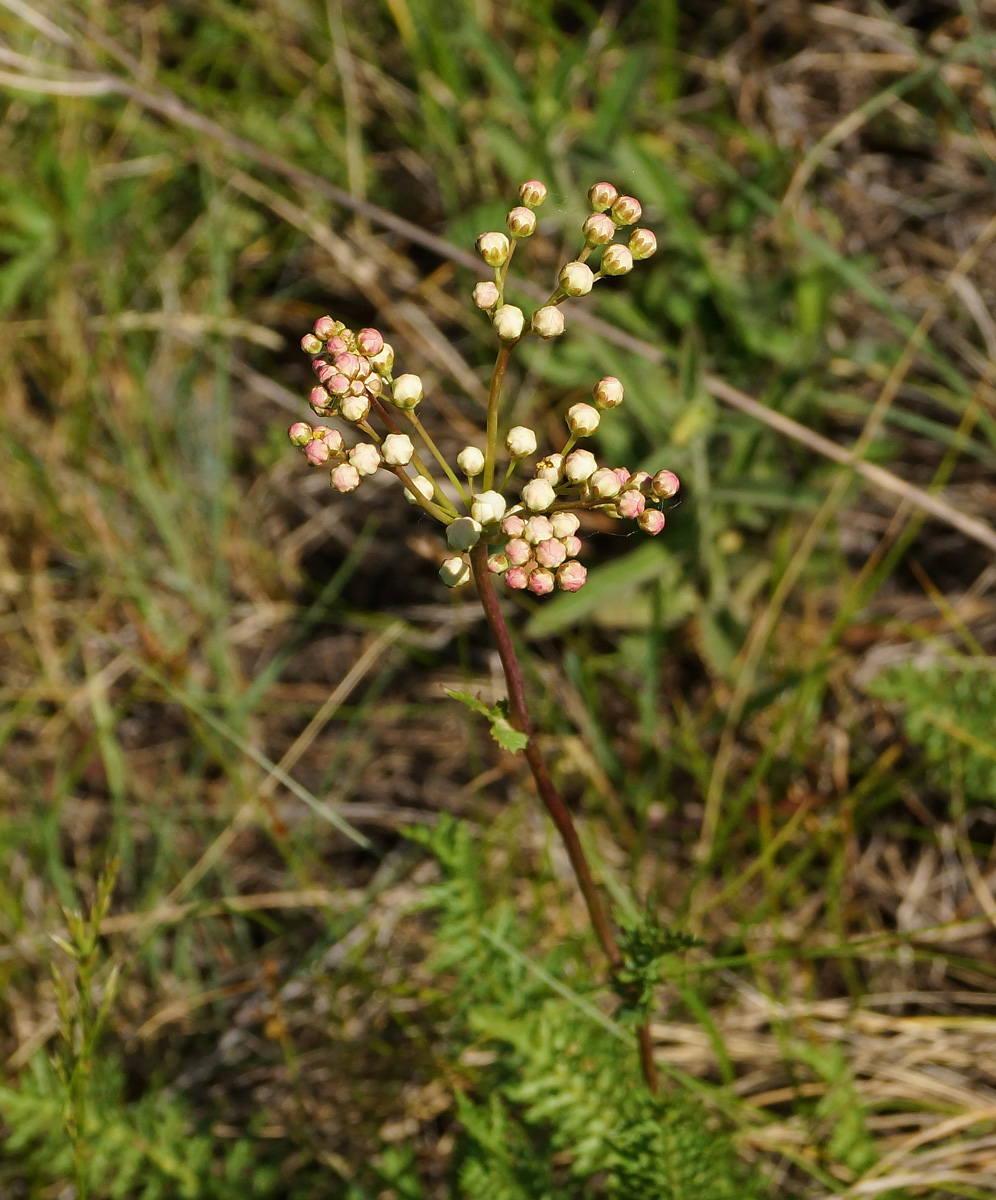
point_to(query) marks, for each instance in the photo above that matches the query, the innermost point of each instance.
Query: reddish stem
(559, 813)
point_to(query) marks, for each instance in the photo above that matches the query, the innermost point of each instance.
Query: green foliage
(645, 944)
(502, 730)
(950, 711)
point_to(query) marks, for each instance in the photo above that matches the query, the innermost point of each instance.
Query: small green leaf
(502, 729)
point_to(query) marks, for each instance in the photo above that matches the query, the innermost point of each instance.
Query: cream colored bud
(509, 322)
(397, 449)
(579, 466)
(598, 229)
(521, 222)
(455, 572)
(626, 210)
(538, 495)
(520, 441)
(345, 478)
(602, 196)
(488, 508)
(548, 322)
(617, 260)
(486, 295)
(463, 534)
(665, 484)
(642, 243)
(470, 460)
(605, 483)
(423, 486)
(582, 419)
(355, 408)
(532, 193)
(564, 524)
(608, 392)
(576, 279)
(493, 248)
(365, 457)
(550, 468)
(383, 360)
(407, 391)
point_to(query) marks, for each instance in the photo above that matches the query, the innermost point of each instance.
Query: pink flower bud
(541, 582)
(521, 222)
(642, 243)
(317, 453)
(498, 564)
(397, 449)
(605, 484)
(311, 345)
(602, 196)
(579, 466)
(518, 551)
(616, 260)
(509, 322)
(336, 385)
(347, 364)
(538, 529)
(622, 475)
(323, 370)
(355, 408)
(572, 545)
(336, 345)
(641, 481)
(300, 433)
(564, 524)
(651, 521)
(369, 341)
(547, 322)
(608, 392)
(325, 328)
(532, 193)
(514, 526)
(356, 387)
(630, 504)
(551, 553)
(582, 419)
(319, 399)
(517, 578)
(455, 572)
(626, 211)
(364, 368)
(365, 457)
(665, 484)
(538, 495)
(598, 229)
(486, 295)
(345, 478)
(571, 576)
(550, 468)
(493, 248)
(576, 279)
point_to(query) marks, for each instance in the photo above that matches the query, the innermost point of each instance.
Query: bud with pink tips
(486, 295)
(345, 478)
(617, 260)
(317, 453)
(631, 504)
(538, 529)
(517, 578)
(513, 525)
(604, 484)
(532, 193)
(602, 196)
(571, 576)
(369, 342)
(365, 457)
(598, 229)
(551, 553)
(572, 545)
(608, 392)
(576, 279)
(336, 385)
(336, 345)
(627, 210)
(665, 484)
(300, 433)
(319, 399)
(518, 551)
(331, 437)
(651, 521)
(311, 345)
(494, 248)
(325, 328)
(547, 322)
(521, 222)
(642, 481)
(541, 582)
(642, 244)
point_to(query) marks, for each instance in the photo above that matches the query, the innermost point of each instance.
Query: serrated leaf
(502, 729)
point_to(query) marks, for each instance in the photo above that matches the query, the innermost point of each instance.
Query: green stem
(434, 451)
(494, 400)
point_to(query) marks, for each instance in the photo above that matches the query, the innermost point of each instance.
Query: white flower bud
(470, 460)
(548, 322)
(397, 449)
(538, 495)
(509, 322)
(617, 260)
(598, 229)
(605, 483)
(608, 392)
(550, 468)
(565, 524)
(520, 441)
(582, 419)
(486, 295)
(576, 279)
(538, 529)
(493, 248)
(345, 478)
(455, 572)
(355, 408)
(579, 466)
(365, 457)
(487, 508)
(407, 391)
(383, 360)
(521, 222)
(423, 486)
(642, 243)
(463, 534)
(602, 196)
(626, 210)
(532, 193)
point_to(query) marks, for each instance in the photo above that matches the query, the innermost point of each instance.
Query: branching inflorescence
(527, 535)
(531, 531)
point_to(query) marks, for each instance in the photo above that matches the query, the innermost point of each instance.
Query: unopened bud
(598, 229)
(365, 457)
(369, 341)
(336, 385)
(488, 508)
(486, 295)
(331, 437)
(579, 466)
(374, 385)
(550, 468)
(383, 360)
(571, 576)
(336, 345)
(311, 345)
(538, 529)
(518, 552)
(548, 322)
(576, 279)
(538, 495)
(325, 328)
(622, 475)
(602, 196)
(300, 433)
(564, 524)
(572, 545)
(641, 480)
(541, 582)
(470, 460)
(532, 193)
(513, 525)
(317, 453)
(521, 222)
(355, 408)
(454, 572)
(551, 553)
(520, 441)
(423, 486)
(493, 248)
(642, 243)
(397, 449)
(356, 387)
(665, 484)
(509, 322)
(319, 399)
(347, 364)
(651, 521)
(616, 260)
(345, 478)
(630, 504)
(498, 564)
(407, 391)
(463, 534)
(582, 419)
(608, 392)
(626, 210)
(605, 483)
(517, 578)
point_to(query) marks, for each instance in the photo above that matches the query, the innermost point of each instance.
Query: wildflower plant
(507, 510)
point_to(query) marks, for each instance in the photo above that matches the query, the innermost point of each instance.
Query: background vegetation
(775, 723)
